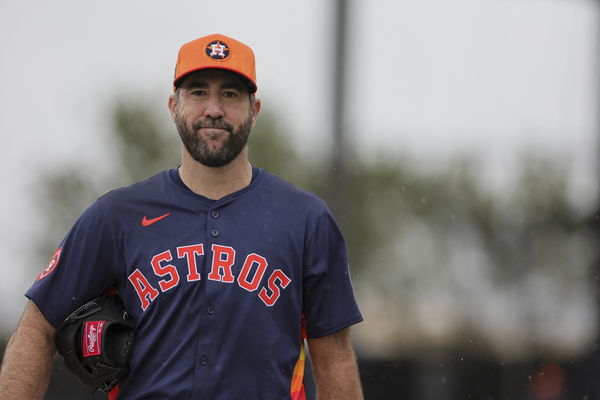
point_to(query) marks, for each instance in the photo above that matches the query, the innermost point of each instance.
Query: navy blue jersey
(219, 289)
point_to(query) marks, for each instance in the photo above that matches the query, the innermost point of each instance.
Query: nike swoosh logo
(148, 222)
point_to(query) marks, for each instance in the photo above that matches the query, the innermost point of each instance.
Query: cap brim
(251, 84)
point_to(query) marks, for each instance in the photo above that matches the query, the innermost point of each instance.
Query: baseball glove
(95, 341)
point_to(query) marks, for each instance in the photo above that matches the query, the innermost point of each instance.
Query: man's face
(214, 116)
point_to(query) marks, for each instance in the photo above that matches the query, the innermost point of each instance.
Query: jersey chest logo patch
(148, 222)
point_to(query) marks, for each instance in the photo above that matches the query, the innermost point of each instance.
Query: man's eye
(198, 92)
(230, 94)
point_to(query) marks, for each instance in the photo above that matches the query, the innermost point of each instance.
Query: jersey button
(214, 232)
(203, 360)
(210, 309)
(214, 214)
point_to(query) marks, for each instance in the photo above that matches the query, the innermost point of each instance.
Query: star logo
(51, 265)
(217, 50)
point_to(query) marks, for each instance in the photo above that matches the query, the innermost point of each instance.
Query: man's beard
(198, 148)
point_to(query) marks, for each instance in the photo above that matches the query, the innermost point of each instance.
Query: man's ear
(255, 110)
(172, 105)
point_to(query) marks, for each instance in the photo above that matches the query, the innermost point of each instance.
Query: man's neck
(216, 183)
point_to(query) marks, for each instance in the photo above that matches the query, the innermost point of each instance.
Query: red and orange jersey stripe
(297, 387)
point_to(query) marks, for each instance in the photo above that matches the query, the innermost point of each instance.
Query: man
(221, 264)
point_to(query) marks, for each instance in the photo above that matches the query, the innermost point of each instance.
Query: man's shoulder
(283, 191)
(151, 186)
(137, 197)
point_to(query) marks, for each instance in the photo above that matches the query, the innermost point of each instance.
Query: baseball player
(224, 267)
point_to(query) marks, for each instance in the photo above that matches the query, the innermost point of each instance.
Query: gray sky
(432, 78)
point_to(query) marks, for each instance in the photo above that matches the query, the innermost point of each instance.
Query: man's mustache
(212, 123)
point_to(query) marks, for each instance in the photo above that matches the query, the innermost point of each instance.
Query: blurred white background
(430, 79)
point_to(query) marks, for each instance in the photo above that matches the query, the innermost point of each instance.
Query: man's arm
(28, 358)
(335, 368)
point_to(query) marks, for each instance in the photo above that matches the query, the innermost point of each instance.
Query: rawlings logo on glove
(92, 338)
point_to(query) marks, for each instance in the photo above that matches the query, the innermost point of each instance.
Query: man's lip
(208, 129)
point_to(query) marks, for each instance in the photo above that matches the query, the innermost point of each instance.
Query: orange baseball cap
(216, 51)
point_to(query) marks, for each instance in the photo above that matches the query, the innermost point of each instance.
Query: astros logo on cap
(217, 50)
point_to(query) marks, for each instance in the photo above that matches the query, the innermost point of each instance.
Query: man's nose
(214, 107)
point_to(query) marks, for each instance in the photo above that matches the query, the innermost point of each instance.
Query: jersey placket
(205, 356)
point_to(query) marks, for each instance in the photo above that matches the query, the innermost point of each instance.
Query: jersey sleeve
(328, 297)
(82, 267)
